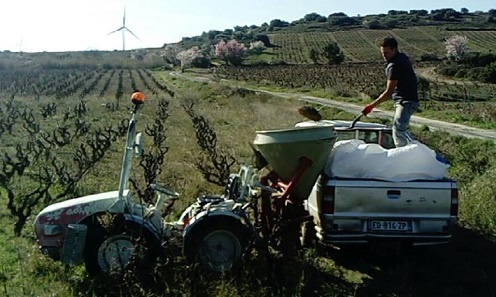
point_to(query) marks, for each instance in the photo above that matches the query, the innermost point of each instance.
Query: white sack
(356, 159)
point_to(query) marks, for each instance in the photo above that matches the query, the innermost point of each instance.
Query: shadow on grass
(464, 267)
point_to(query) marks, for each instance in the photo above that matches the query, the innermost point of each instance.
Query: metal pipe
(128, 155)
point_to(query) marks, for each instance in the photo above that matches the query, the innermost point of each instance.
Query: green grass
(236, 114)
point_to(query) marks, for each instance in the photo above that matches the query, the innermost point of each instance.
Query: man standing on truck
(401, 87)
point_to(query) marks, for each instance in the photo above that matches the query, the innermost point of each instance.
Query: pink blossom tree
(231, 51)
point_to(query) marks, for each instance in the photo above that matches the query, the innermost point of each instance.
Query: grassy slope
(423, 271)
(463, 268)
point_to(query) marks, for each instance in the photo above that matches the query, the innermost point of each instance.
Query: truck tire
(308, 237)
(218, 244)
(117, 250)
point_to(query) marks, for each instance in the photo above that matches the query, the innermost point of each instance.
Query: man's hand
(367, 109)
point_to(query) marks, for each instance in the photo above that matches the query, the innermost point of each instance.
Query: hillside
(419, 33)
(64, 118)
(359, 45)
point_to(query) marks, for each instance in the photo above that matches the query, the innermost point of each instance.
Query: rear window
(383, 138)
(369, 136)
(346, 135)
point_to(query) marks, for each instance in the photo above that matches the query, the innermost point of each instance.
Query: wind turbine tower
(124, 29)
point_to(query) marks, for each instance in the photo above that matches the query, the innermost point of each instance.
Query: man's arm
(390, 86)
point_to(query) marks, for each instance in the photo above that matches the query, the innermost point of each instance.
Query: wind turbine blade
(116, 30)
(132, 33)
(124, 18)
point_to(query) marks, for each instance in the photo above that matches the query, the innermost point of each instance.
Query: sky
(81, 25)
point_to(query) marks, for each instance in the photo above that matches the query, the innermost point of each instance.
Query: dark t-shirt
(400, 68)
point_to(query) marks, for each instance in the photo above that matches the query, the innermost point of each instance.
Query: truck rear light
(454, 202)
(328, 200)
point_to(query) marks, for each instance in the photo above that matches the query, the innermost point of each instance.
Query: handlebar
(164, 190)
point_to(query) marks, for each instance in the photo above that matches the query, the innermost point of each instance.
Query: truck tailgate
(360, 210)
(381, 199)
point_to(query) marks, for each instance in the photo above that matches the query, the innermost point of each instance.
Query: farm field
(360, 45)
(53, 120)
(63, 124)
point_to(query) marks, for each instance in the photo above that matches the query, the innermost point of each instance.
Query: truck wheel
(307, 234)
(217, 245)
(114, 252)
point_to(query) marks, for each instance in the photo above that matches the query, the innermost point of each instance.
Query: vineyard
(57, 126)
(63, 126)
(360, 45)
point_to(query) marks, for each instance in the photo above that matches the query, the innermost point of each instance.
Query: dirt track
(452, 128)
(379, 113)
(416, 120)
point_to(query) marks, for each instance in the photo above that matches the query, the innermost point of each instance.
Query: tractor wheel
(218, 245)
(118, 250)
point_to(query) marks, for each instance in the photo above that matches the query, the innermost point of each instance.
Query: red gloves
(367, 109)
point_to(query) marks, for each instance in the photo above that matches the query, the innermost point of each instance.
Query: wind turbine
(20, 45)
(124, 29)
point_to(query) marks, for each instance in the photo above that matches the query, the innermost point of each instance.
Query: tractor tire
(217, 244)
(116, 251)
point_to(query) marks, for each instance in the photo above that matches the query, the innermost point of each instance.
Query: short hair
(389, 41)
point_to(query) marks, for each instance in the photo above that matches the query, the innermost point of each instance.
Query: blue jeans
(404, 111)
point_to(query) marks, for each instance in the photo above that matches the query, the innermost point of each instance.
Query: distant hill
(420, 34)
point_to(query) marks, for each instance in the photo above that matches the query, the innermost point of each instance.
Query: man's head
(389, 47)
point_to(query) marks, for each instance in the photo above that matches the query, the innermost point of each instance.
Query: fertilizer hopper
(297, 154)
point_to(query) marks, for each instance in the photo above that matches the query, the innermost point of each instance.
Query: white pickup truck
(351, 210)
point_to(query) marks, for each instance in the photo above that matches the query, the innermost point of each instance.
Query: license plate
(388, 225)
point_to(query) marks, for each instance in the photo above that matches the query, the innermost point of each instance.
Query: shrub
(314, 55)
(201, 62)
(489, 73)
(429, 57)
(478, 59)
(333, 53)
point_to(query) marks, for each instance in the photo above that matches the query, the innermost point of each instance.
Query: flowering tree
(231, 52)
(456, 47)
(257, 46)
(188, 56)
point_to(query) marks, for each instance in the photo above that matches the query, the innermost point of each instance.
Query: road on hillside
(415, 120)
(433, 125)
